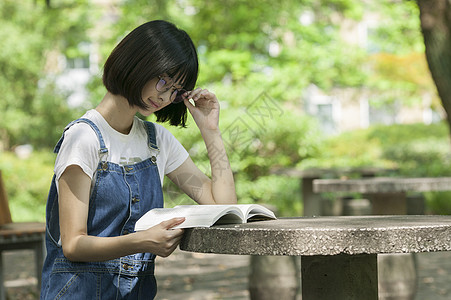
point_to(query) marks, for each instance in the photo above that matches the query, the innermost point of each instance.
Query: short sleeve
(172, 150)
(80, 147)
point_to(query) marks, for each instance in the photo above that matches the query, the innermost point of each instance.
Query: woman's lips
(153, 104)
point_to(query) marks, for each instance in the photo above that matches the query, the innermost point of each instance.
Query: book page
(256, 212)
(195, 215)
(217, 214)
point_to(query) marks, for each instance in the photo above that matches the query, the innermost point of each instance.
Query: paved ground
(193, 276)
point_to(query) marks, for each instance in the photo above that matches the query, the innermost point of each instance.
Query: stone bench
(17, 236)
(338, 254)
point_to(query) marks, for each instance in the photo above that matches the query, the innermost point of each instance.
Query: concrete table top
(308, 236)
(383, 185)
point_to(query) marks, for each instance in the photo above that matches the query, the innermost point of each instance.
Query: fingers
(193, 94)
(170, 247)
(172, 223)
(198, 94)
(164, 239)
(188, 103)
(173, 238)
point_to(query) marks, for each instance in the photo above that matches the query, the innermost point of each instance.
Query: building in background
(344, 109)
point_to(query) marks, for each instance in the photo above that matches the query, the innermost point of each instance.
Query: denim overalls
(120, 196)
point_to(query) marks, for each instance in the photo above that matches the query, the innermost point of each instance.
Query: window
(81, 62)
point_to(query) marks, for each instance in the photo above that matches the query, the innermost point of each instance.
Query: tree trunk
(435, 16)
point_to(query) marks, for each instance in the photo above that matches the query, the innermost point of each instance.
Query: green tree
(32, 109)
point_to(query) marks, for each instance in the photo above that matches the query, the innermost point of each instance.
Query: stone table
(338, 254)
(388, 194)
(312, 200)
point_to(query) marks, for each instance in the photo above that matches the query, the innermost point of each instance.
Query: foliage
(30, 34)
(408, 72)
(418, 150)
(399, 71)
(27, 182)
(413, 149)
(398, 30)
(438, 202)
(349, 150)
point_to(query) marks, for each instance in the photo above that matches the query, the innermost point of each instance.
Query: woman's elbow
(69, 250)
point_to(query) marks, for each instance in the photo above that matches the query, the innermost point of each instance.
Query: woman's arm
(74, 186)
(220, 189)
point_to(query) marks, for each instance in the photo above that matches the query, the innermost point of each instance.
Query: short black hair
(150, 50)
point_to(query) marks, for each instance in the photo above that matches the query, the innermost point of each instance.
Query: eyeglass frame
(176, 95)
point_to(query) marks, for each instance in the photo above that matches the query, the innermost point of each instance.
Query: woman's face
(158, 93)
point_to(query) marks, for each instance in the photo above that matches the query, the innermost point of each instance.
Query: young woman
(110, 166)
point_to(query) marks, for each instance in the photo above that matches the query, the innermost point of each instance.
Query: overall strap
(151, 134)
(103, 149)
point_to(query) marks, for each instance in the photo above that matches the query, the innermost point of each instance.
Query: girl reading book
(110, 167)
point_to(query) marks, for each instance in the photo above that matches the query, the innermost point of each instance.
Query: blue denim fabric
(121, 195)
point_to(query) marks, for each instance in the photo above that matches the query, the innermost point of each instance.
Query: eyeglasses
(164, 84)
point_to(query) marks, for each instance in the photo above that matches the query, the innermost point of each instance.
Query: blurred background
(310, 83)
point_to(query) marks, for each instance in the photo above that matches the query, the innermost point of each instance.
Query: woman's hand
(205, 110)
(160, 239)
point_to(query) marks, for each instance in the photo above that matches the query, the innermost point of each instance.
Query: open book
(205, 215)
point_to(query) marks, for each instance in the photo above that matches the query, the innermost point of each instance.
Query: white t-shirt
(81, 147)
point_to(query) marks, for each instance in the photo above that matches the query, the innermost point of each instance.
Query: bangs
(185, 74)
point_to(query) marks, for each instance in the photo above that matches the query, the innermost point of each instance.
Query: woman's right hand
(161, 239)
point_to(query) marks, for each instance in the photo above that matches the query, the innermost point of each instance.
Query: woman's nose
(165, 96)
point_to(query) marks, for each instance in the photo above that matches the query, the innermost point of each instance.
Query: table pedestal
(340, 277)
(388, 203)
(273, 277)
(397, 276)
(396, 272)
(311, 200)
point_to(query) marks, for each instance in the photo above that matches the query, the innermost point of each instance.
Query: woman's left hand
(205, 110)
